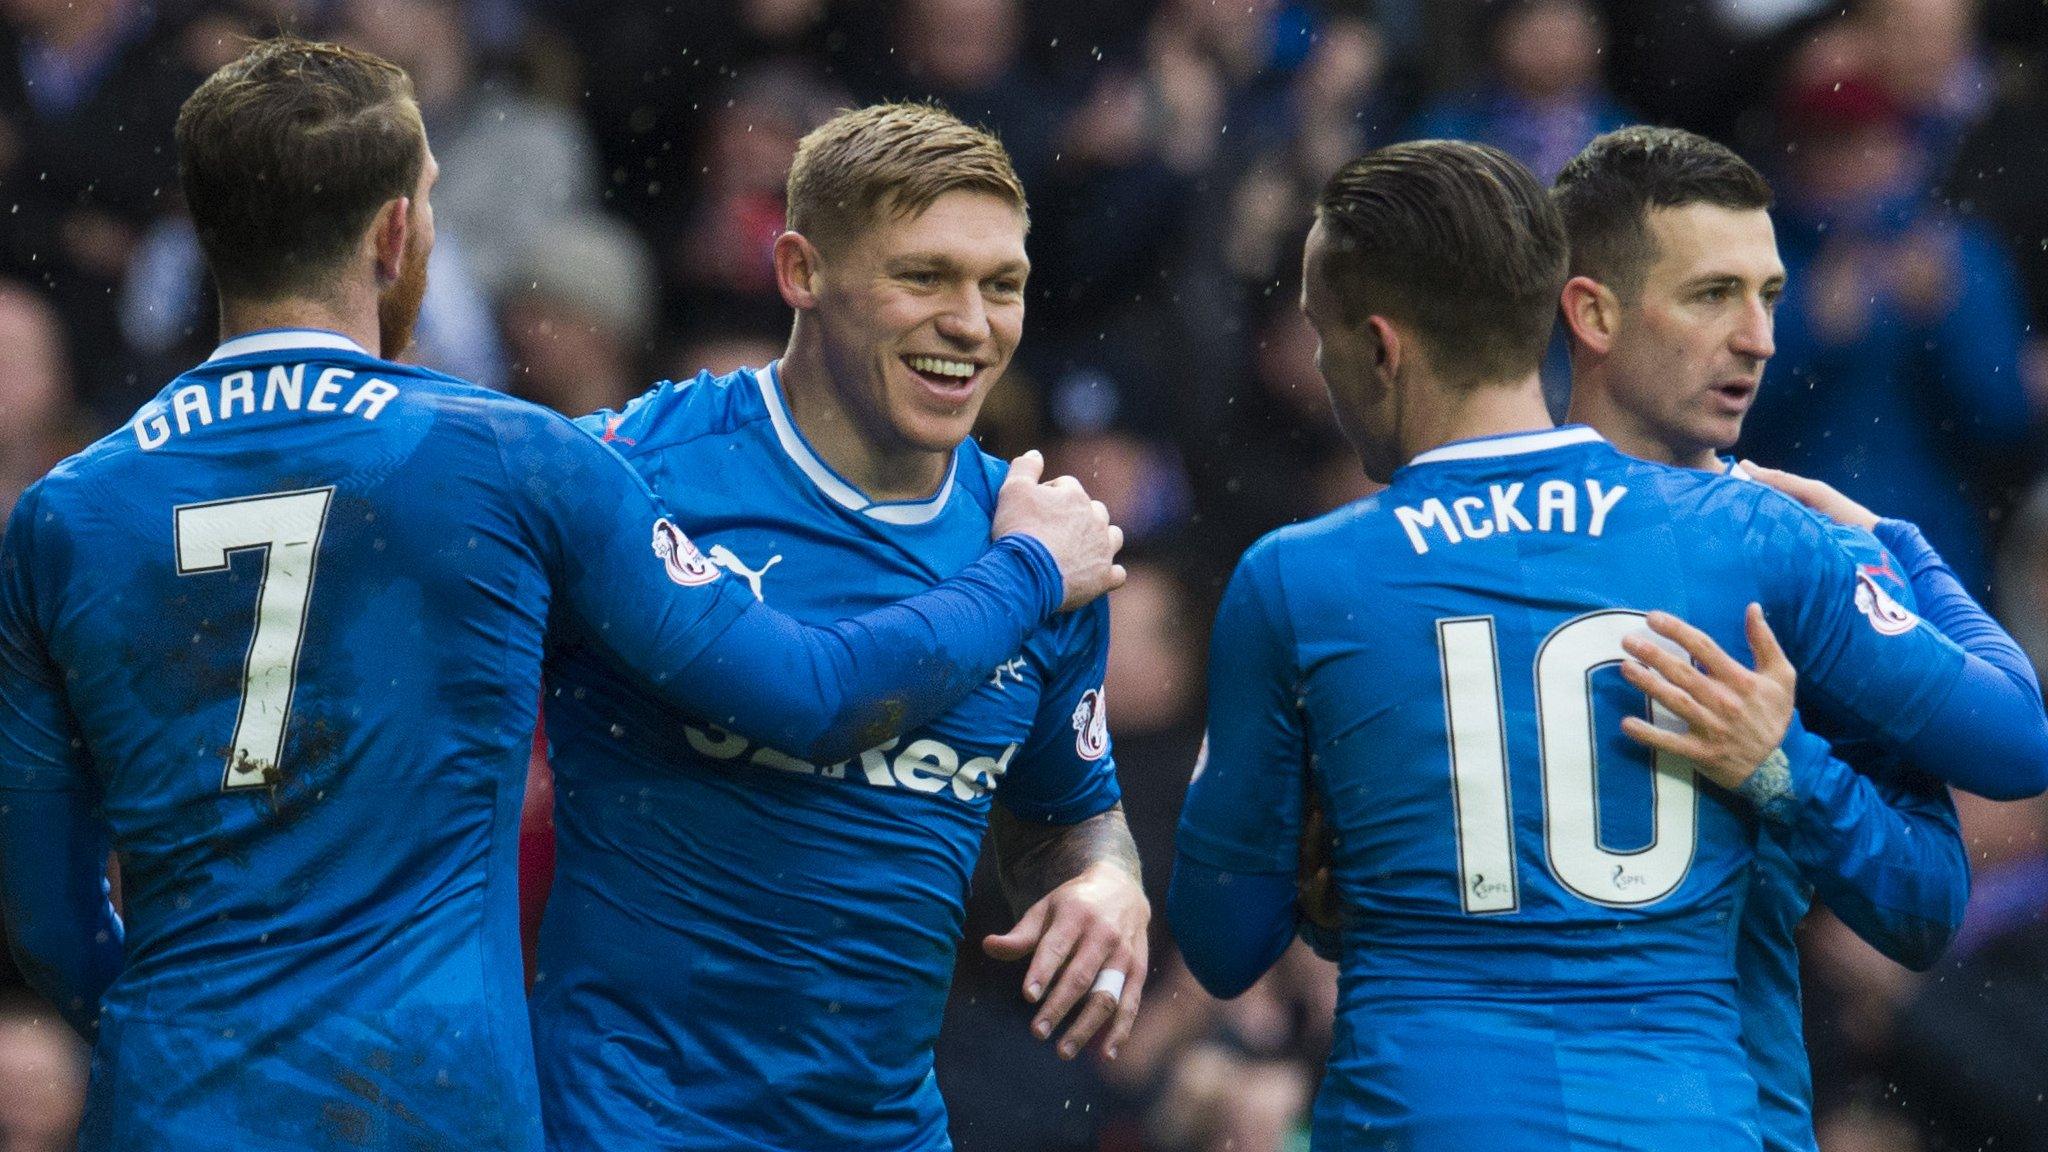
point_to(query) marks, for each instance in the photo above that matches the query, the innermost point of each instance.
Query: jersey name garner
(1553, 507)
(238, 394)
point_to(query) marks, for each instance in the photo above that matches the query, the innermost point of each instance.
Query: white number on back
(1484, 814)
(287, 527)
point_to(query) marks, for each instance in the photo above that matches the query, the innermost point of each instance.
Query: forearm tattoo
(1034, 858)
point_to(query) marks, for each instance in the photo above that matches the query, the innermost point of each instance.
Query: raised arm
(701, 640)
(1994, 686)
(1888, 860)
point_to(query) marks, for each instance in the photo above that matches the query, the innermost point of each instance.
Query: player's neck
(1476, 413)
(241, 317)
(1592, 405)
(883, 472)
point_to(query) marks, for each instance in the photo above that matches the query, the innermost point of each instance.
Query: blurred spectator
(1105, 249)
(511, 166)
(1899, 337)
(2000, 167)
(1970, 1044)
(719, 355)
(579, 323)
(1141, 482)
(37, 424)
(1158, 635)
(1230, 1076)
(42, 1076)
(89, 90)
(1340, 106)
(1863, 1127)
(720, 256)
(2022, 580)
(1264, 469)
(1543, 97)
(1124, 235)
(1931, 59)
(979, 77)
(1956, 1051)
(169, 314)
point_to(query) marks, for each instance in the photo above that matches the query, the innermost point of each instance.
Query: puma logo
(724, 558)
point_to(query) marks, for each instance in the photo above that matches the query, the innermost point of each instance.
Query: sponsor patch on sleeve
(1091, 725)
(1885, 614)
(680, 558)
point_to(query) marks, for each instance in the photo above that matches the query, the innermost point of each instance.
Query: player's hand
(1315, 893)
(1074, 528)
(1736, 717)
(1095, 923)
(1817, 495)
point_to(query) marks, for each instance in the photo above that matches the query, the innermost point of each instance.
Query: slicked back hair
(1458, 240)
(893, 158)
(1607, 192)
(286, 154)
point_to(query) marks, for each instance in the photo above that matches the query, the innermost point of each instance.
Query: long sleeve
(1949, 712)
(1886, 855)
(1232, 900)
(638, 587)
(61, 925)
(1947, 605)
(2001, 669)
(53, 845)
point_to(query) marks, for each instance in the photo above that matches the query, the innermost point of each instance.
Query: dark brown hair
(1607, 192)
(891, 157)
(1456, 239)
(286, 155)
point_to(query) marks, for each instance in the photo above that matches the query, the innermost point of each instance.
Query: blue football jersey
(286, 628)
(1540, 916)
(742, 949)
(1767, 958)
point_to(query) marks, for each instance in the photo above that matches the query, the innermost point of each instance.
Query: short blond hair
(895, 158)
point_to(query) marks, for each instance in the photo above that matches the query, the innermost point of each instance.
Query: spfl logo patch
(1091, 725)
(1887, 615)
(680, 558)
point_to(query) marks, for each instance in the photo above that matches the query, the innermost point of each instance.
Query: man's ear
(797, 270)
(1592, 314)
(389, 232)
(1390, 352)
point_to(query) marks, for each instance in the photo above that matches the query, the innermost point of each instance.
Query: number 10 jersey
(1540, 915)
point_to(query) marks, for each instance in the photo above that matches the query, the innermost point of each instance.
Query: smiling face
(1689, 352)
(918, 315)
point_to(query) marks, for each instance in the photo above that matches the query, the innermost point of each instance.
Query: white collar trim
(283, 339)
(1510, 444)
(830, 482)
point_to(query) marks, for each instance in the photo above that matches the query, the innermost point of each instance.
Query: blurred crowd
(612, 179)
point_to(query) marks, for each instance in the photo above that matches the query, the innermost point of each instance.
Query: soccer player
(277, 642)
(1675, 272)
(748, 947)
(1538, 943)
